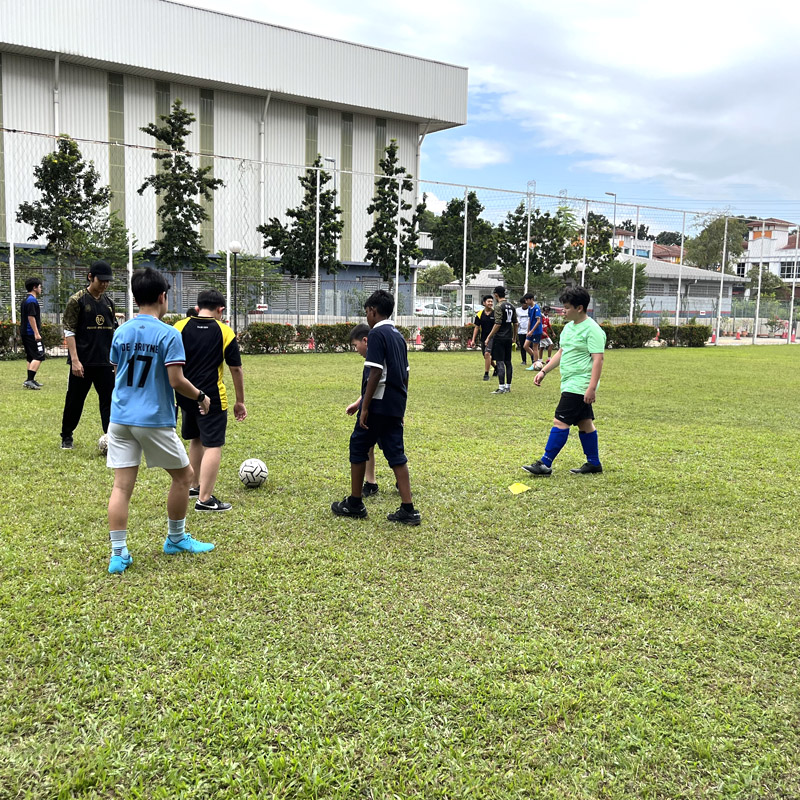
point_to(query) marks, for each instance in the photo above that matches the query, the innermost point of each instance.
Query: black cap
(101, 270)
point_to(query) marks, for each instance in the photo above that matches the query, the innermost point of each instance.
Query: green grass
(633, 634)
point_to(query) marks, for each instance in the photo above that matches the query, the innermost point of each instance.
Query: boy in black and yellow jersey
(209, 343)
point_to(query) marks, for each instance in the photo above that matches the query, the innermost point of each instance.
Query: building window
(312, 135)
(3, 236)
(116, 135)
(207, 160)
(740, 270)
(789, 270)
(345, 198)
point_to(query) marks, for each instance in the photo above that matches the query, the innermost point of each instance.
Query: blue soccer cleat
(186, 545)
(119, 564)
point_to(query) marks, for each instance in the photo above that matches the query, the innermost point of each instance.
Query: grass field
(635, 634)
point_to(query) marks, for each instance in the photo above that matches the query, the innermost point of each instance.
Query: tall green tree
(386, 206)
(771, 285)
(436, 276)
(611, 287)
(705, 249)
(180, 186)
(448, 236)
(295, 242)
(630, 225)
(669, 237)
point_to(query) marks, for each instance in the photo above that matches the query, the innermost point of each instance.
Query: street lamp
(235, 248)
(614, 223)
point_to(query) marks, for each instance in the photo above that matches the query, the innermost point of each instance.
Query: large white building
(264, 97)
(770, 244)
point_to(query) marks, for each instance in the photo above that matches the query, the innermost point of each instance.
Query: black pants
(501, 350)
(102, 378)
(521, 346)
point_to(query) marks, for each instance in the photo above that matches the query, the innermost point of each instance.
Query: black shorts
(501, 349)
(209, 428)
(572, 409)
(386, 432)
(32, 352)
(485, 349)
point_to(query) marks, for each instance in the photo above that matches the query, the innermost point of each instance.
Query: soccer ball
(102, 444)
(253, 473)
(537, 365)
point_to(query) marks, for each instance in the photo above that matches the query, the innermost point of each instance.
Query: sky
(688, 105)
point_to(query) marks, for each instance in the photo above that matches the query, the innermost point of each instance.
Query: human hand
(590, 395)
(204, 406)
(362, 420)
(539, 377)
(77, 368)
(352, 408)
(239, 412)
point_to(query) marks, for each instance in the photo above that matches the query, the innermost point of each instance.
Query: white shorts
(161, 447)
(545, 342)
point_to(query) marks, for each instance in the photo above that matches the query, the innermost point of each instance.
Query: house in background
(771, 243)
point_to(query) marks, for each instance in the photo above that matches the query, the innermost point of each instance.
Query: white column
(722, 266)
(13, 276)
(464, 259)
(585, 242)
(528, 246)
(228, 282)
(794, 284)
(130, 272)
(680, 275)
(760, 267)
(316, 259)
(633, 276)
(397, 247)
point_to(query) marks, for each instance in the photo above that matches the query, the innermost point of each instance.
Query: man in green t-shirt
(580, 355)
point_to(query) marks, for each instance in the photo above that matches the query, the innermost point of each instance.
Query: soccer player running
(30, 330)
(89, 324)
(580, 356)
(484, 322)
(501, 338)
(149, 358)
(209, 343)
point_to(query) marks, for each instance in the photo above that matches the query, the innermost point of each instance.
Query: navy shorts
(534, 338)
(386, 432)
(32, 352)
(572, 409)
(209, 428)
(485, 349)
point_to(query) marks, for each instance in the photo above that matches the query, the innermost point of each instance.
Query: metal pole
(585, 242)
(760, 266)
(794, 284)
(130, 274)
(13, 276)
(633, 264)
(236, 293)
(680, 275)
(528, 244)
(397, 248)
(464, 258)
(722, 278)
(316, 258)
(228, 281)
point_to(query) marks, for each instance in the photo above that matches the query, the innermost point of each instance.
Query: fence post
(633, 264)
(130, 274)
(794, 284)
(316, 258)
(228, 281)
(464, 260)
(528, 235)
(722, 279)
(397, 248)
(760, 266)
(585, 241)
(680, 275)
(12, 275)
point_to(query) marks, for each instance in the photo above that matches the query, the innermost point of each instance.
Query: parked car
(432, 310)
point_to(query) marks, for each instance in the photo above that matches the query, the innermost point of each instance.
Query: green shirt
(578, 342)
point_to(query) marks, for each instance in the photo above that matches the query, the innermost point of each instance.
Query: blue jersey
(535, 317)
(142, 349)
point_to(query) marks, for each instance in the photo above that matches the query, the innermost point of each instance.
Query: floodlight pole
(722, 278)
(316, 256)
(464, 259)
(528, 234)
(680, 275)
(585, 242)
(397, 248)
(760, 264)
(633, 264)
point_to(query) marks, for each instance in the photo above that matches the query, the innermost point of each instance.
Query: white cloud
(433, 203)
(472, 153)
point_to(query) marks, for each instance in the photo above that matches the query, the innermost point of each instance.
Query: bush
(332, 338)
(694, 335)
(461, 334)
(631, 334)
(610, 332)
(406, 332)
(303, 333)
(171, 319)
(432, 337)
(11, 344)
(556, 333)
(267, 337)
(667, 333)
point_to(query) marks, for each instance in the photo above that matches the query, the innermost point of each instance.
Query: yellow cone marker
(518, 488)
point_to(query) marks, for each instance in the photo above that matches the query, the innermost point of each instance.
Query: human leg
(588, 436)
(209, 470)
(103, 380)
(369, 474)
(196, 461)
(77, 389)
(120, 499)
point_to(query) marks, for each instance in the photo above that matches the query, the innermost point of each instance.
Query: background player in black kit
(30, 330)
(501, 339)
(484, 322)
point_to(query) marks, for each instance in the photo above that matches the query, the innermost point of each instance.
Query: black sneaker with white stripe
(344, 509)
(212, 504)
(194, 491)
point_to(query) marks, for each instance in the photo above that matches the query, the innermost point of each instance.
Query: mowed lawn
(634, 634)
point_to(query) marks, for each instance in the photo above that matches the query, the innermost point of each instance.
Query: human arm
(34, 327)
(353, 407)
(178, 381)
(475, 326)
(70, 321)
(492, 332)
(549, 367)
(239, 408)
(72, 349)
(372, 384)
(597, 368)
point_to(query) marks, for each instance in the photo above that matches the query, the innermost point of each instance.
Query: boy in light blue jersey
(580, 356)
(148, 357)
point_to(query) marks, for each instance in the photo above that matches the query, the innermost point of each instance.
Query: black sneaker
(31, 385)
(344, 509)
(486, 376)
(66, 443)
(369, 490)
(212, 504)
(194, 491)
(587, 469)
(537, 468)
(38, 385)
(405, 517)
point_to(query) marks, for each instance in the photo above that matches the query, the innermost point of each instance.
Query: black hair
(147, 285)
(575, 296)
(527, 296)
(547, 309)
(486, 297)
(210, 299)
(32, 283)
(382, 302)
(191, 311)
(359, 332)
(500, 291)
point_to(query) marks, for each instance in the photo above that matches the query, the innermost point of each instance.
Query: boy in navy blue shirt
(384, 389)
(30, 328)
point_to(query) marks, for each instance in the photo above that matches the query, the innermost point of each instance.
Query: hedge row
(275, 337)
(11, 344)
(637, 335)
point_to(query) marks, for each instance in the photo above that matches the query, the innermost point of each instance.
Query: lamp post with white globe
(235, 248)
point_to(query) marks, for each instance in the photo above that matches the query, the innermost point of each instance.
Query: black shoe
(39, 385)
(494, 373)
(66, 443)
(486, 376)
(537, 468)
(31, 385)
(405, 517)
(369, 489)
(194, 491)
(587, 469)
(212, 504)
(344, 509)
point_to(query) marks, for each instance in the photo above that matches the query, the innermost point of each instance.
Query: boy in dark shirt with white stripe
(384, 390)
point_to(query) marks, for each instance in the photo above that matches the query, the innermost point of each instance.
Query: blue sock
(177, 530)
(557, 439)
(590, 448)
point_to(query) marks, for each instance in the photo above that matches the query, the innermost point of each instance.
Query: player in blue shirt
(384, 389)
(30, 329)
(148, 357)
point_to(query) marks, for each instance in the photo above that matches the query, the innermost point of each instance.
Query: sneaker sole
(230, 508)
(539, 474)
(405, 521)
(357, 515)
